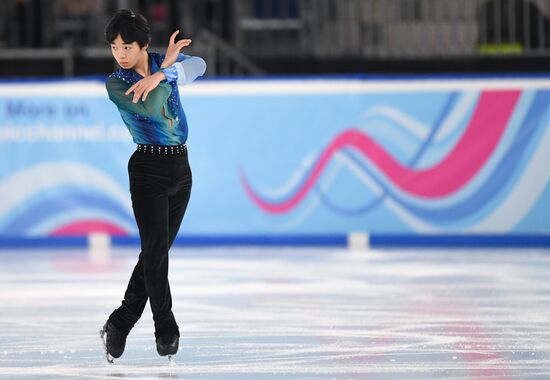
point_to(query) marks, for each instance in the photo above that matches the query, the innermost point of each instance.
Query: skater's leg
(168, 342)
(150, 178)
(152, 213)
(177, 206)
(135, 299)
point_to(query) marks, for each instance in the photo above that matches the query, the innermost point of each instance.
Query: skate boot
(168, 345)
(114, 341)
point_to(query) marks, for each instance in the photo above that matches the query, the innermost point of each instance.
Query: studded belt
(162, 149)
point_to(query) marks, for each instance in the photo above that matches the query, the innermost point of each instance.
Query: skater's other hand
(173, 50)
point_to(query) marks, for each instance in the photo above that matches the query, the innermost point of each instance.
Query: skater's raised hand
(173, 49)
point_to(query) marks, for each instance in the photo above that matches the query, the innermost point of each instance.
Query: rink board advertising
(280, 159)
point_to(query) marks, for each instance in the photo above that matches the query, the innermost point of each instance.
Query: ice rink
(291, 313)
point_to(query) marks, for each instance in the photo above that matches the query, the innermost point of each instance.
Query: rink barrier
(460, 241)
(375, 241)
(372, 241)
(515, 217)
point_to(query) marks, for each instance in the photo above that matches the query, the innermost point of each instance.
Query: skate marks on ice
(298, 314)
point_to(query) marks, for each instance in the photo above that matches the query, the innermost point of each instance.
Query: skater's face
(127, 55)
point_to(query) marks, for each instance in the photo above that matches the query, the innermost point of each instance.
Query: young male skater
(145, 91)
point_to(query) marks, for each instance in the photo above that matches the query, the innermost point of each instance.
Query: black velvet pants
(160, 186)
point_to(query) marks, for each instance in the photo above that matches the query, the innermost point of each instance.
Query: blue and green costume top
(160, 119)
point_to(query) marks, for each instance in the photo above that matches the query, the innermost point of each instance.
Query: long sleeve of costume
(185, 70)
(116, 88)
(160, 119)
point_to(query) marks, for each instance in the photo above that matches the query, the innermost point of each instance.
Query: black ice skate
(167, 345)
(114, 341)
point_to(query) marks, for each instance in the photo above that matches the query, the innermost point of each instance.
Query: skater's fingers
(131, 89)
(138, 94)
(182, 43)
(145, 93)
(173, 37)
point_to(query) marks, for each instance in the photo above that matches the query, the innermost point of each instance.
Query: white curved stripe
(415, 127)
(312, 203)
(328, 179)
(418, 225)
(413, 222)
(528, 189)
(296, 177)
(360, 174)
(419, 129)
(333, 171)
(298, 219)
(26, 183)
(454, 118)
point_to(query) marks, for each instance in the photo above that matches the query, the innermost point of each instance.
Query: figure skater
(145, 91)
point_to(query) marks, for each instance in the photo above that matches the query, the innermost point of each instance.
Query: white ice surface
(286, 314)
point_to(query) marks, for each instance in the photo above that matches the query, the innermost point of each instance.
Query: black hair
(131, 27)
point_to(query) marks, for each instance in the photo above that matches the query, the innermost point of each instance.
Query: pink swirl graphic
(85, 227)
(482, 135)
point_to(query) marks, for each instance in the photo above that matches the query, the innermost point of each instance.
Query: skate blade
(109, 358)
(171, 361)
